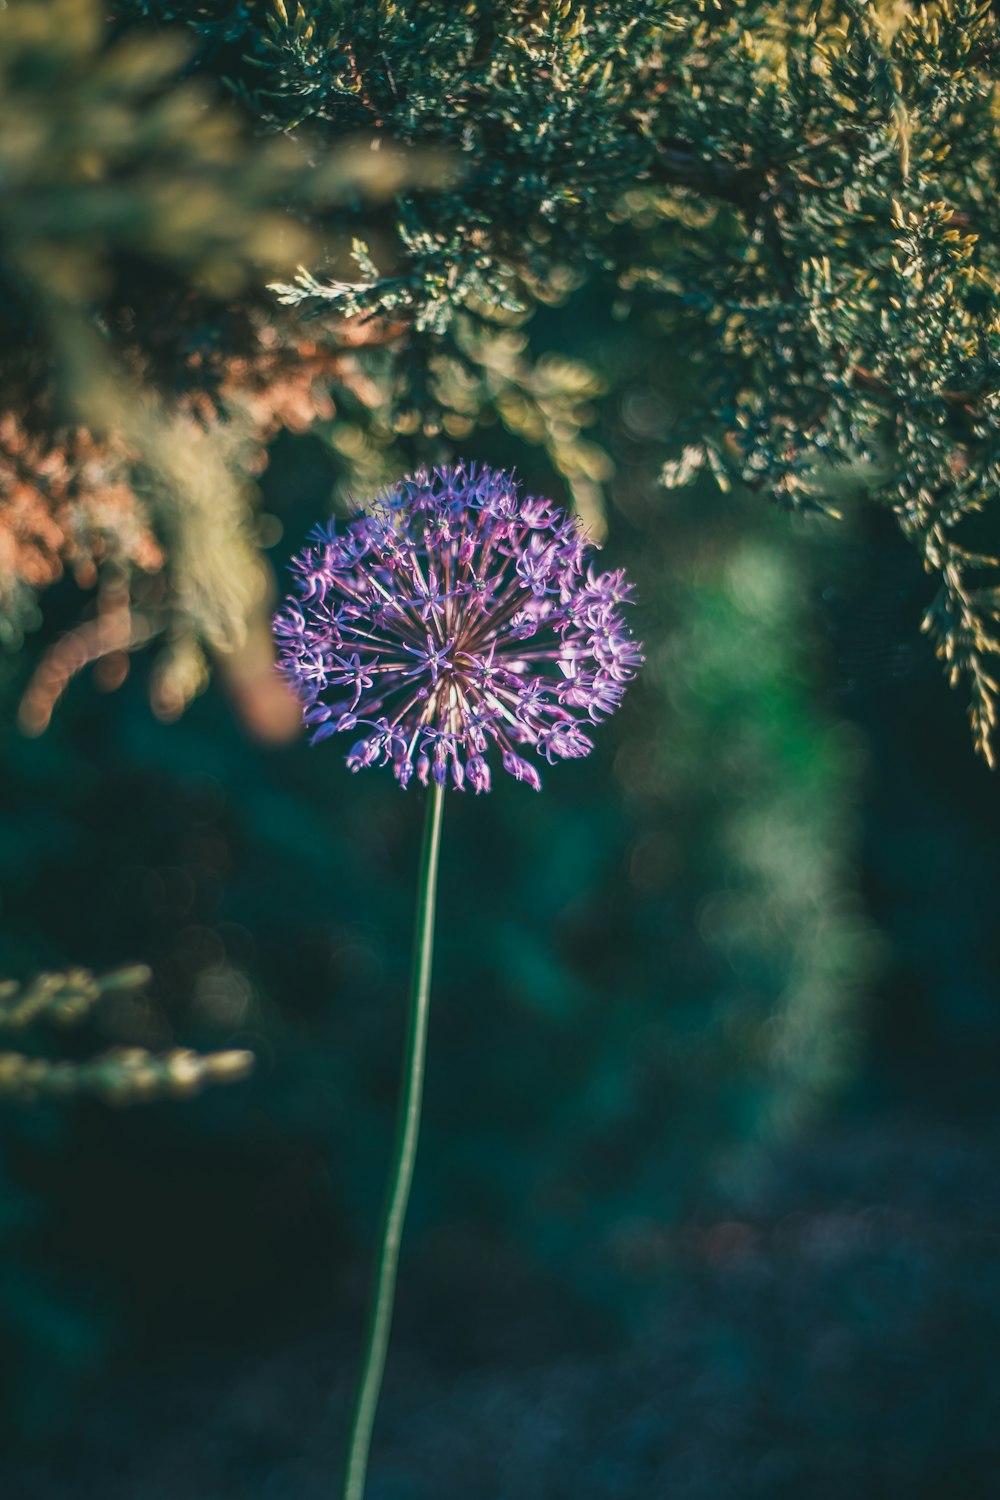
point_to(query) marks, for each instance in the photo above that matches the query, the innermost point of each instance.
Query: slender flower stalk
(455, 618)
(404, 1158)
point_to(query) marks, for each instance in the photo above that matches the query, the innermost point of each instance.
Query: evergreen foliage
(802, 194)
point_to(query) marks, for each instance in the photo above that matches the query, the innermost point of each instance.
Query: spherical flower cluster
(454, 617)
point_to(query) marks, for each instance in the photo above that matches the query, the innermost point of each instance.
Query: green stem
(404, 1157)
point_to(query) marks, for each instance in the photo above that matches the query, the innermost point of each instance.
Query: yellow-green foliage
(123, 1075)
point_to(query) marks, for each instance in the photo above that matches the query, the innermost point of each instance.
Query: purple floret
(454, 616)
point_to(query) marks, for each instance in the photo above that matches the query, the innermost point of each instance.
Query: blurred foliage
(125, 1075)
(145, 368)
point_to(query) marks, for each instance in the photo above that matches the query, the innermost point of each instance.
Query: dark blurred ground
(835, 1336)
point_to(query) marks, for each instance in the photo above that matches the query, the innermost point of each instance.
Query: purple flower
(455, 614)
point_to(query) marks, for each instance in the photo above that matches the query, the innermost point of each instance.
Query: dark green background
(708, 1190)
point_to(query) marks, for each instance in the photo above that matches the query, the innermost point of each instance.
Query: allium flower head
(454, 619)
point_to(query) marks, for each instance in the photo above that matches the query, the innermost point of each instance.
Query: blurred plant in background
(147, 369)
(123, 1075)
